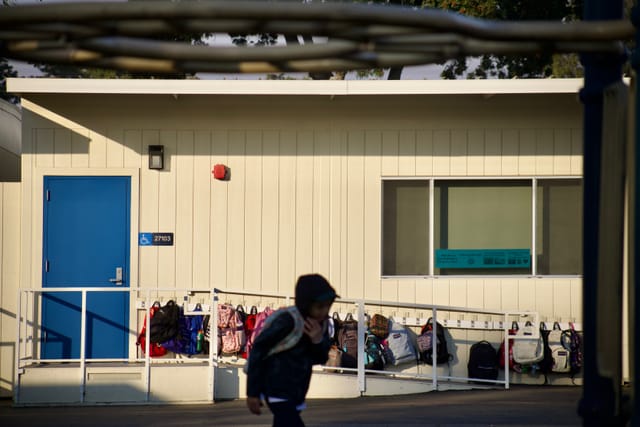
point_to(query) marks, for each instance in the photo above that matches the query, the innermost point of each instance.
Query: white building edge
(310, 163)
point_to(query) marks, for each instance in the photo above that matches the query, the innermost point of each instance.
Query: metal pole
(361, 331)
(16, 378)
(600, 394)
(634, 245)
(505, 330)
(83, 343)
(434, 344)
(147, 347)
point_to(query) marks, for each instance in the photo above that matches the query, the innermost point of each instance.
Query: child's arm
(269, 337)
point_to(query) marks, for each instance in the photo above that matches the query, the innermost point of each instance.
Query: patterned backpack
(425, 344)
(230, 330)
(379, 326)
(348, 342)
(572, 341)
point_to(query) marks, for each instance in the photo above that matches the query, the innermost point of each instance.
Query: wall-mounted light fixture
(156, 157)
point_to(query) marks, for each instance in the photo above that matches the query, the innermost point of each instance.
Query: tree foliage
(6, 71)
(510, 66)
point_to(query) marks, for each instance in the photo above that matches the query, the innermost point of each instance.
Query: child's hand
(313, 329)
(254, 404)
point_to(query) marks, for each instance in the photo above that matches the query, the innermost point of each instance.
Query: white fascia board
(292, 87)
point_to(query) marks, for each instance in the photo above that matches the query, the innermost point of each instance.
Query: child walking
(292, 341)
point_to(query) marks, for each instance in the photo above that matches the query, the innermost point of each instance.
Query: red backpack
(512, 364)
(155, 349)
(249, 326)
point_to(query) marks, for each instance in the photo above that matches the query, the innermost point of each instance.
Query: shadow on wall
(121, 127)
(10, 142)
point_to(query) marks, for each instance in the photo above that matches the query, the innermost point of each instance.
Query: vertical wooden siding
(306, 200)
(9, 280)
(305, 196)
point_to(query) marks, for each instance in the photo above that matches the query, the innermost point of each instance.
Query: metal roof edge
(292, 87)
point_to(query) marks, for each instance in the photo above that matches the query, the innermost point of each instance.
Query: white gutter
(293, 87)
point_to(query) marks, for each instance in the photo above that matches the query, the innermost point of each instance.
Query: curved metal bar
(434, 19)
(116, 35)
(181, 51)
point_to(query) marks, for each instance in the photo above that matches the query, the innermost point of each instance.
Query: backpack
(337, 325)
(527, 351)
(546, 364)
(231, 334)
(512, 364)
(164, 324)
(190, 334)
(379, 326)
(425, 344)
(348, 342)
(155, 349)
(560, 355)
(225, 313)
(249, 326)
(291, 339)
(483, 361)
(259, 324)
(400, 348)
(373, 352)
(250, 321)
(573, 342)
(193, 333)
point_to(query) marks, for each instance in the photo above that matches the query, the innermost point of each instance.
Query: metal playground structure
(360, 36)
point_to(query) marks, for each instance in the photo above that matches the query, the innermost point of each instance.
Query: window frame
(532, 179)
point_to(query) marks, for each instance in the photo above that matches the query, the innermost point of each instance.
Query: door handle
(118, 279)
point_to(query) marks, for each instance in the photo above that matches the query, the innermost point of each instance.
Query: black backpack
(546, 364)
(165, 323)
(483, 361)
(425, 344)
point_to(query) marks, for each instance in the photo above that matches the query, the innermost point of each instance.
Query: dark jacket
(287, 374)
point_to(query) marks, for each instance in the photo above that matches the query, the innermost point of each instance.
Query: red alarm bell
(219, 171)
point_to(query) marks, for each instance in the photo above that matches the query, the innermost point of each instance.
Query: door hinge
(46, 266)
(48, 195)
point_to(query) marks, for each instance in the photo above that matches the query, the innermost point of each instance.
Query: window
(481, 216)
(482, 227)
(405, 234)
(559, 226)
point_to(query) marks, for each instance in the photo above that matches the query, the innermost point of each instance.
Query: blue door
(86, 244)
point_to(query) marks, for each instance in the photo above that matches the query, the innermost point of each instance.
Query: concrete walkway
(519, 406)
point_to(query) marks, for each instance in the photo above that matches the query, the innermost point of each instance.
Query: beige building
(454, 193)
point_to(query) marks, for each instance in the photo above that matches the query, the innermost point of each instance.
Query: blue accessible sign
(155, 239)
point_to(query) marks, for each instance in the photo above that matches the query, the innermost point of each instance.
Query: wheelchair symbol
(145, 239)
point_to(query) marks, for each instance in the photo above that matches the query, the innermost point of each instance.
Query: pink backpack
(260, 319)
(230, 330)
(225, 312)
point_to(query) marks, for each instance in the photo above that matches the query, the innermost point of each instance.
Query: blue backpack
(189, 334)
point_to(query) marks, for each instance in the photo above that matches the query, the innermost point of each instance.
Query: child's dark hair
(312, 288)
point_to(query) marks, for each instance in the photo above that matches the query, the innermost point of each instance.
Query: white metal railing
(360, 305)
(28, 333)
